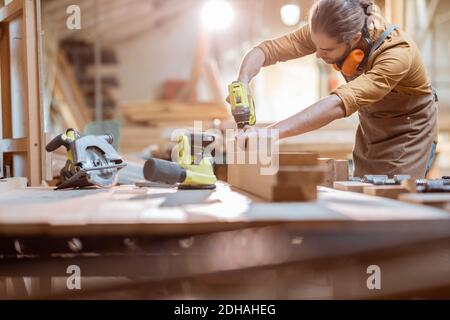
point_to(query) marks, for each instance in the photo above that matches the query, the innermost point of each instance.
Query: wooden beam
(44, 118)
(22, 115)
(11, 10)
(116, 14)
(138, 28)
(69, 95)
(173, 111)
(14, 145)
(397, 12)
(33, 101)
(5, 115)
(432, 9)
(212, 76)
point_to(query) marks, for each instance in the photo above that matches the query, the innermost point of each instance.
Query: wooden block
(438, 200)
(298, 159)
(249, 177)
(329, 164)
(341, 170)
(337, 170)
(391, 192)
(307, 192)
(352, 186)
(303, 175)
(220, 170)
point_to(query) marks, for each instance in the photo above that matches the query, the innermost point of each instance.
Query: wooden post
(395, 12)
(22, 134)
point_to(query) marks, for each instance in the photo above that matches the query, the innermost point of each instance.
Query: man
(387, 84)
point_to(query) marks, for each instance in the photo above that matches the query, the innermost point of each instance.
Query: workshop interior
(225, 149)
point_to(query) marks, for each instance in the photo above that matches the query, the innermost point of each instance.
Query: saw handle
(159, 170)
(58, 141)
(108, 137)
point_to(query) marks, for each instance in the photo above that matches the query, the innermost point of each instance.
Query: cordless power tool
(242, 104)
(91, 160)
(193, 168)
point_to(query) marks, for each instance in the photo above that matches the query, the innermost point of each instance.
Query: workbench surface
(162, 211)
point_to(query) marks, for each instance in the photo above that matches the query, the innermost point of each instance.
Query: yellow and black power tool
(242, 104)
(193, 168)
(91, 160)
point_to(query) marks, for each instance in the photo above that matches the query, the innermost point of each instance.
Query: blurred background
(146, 67)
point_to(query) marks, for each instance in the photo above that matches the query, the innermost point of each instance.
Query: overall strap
(383, 37)
(377, 45)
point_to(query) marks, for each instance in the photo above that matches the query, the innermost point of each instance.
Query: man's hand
(244, 135)
(250, 132)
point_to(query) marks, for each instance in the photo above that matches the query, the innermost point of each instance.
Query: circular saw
(91, 160)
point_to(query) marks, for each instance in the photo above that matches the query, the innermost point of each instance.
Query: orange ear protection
(351, 63)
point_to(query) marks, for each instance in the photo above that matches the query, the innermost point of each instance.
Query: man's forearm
(312, 118)
(251, 65)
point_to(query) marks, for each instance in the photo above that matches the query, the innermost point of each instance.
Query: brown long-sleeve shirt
(396, 66)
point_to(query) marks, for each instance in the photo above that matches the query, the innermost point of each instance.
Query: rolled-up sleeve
(389, 68)
(291, 46)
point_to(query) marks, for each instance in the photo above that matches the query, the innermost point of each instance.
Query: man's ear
(356, 38)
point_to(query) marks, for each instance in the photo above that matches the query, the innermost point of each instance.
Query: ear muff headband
(351, 63)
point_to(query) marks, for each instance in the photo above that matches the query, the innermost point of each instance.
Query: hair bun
(367, 7)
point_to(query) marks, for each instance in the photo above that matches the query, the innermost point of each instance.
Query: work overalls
(396, 135)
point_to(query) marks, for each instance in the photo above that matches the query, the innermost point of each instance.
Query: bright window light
(217, 14)
(290, 14)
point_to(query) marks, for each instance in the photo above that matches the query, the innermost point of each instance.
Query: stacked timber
(295, 179)
(68, 108)
(173, 111)
(406, 191)
(150, 125)
(81, 57)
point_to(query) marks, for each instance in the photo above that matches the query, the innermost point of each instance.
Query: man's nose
(319, 55)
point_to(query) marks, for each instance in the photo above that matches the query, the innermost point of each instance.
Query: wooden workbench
(163, 235)
(159, 210)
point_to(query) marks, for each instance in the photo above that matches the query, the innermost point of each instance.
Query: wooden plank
(351, 186)
(5, 83)
(32, 104)
(212, 75)
(391, 192)
(44, 118)
(438, 200)
(70, 99)
(172, 111)
(18, 161)
(14, 145)
(78, 95)
(189, 93)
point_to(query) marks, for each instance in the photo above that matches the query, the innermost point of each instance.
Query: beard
(341, 60)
